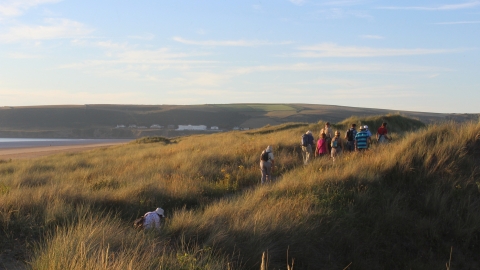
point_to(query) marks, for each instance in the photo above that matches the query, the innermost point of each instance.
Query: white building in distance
(190, 127)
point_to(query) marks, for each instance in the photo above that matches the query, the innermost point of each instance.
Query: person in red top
(322, 148)
(382, 136)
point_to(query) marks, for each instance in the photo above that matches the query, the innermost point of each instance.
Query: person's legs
(304, 155)
(309, 153)
(266, 169)
(329, 144)
(350, 146)
(264, 172)
(333, 154)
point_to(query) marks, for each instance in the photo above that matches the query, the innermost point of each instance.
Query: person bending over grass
(151, 220)
(266, 164)
(322, 149)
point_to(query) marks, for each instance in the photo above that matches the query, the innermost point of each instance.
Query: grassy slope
(397, 207)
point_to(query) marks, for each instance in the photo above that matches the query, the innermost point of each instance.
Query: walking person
(337, 146)
(368, 131)
(350, 137)
(307, 146)
(362, 139)
(382, 131)
(322, 149)
(328, 131)
(266, 164)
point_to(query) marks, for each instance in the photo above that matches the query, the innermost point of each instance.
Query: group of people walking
(330, 144)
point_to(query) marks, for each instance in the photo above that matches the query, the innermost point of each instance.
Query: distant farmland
(99, 121)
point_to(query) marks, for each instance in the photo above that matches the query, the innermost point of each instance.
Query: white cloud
(18, 7)
(53, 29)
(233, 43)
(371, 37)
(433, 8)
(460, 22)
(305, 67)
(333, 50)
(17, 55)
(21, 97)
(158, 65)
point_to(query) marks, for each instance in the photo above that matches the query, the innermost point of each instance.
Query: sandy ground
(34, 152)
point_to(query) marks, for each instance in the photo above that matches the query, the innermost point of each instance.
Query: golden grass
(401, 205)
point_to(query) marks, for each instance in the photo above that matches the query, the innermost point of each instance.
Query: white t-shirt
(152, 220)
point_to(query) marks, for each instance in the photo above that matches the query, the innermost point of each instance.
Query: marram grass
(404, 205)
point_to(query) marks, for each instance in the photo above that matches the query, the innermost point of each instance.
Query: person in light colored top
(337, 146)
(329, 134)
(266, 164)
(153, 220)
(368, 131)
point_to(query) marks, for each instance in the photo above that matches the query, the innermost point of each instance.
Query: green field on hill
(411, 204)
(100, 121)
(258, 107)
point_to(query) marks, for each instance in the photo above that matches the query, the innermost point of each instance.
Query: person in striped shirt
(362, 139)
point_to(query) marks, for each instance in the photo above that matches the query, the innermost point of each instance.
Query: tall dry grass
(398, 206)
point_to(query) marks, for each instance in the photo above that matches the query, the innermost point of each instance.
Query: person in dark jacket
(308, 145)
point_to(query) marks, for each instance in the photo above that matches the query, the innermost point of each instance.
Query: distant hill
(99, 121)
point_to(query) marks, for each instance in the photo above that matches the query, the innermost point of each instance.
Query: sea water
(39, 142)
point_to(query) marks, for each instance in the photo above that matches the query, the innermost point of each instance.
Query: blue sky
(401, 55)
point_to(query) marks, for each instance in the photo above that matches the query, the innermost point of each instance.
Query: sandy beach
(34, 152)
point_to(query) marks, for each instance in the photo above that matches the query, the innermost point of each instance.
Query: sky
(399, 55)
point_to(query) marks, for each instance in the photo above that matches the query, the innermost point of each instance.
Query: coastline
(41, 151)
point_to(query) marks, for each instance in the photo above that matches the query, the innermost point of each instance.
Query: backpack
(138, 223)
(304, 140)
(264, 156)
(350, 135)
(334, 143)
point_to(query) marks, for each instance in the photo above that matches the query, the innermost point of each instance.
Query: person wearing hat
(152, 220)
(307, 146)
(362, 139)
(368, 131)
(266, 164)
(337, 146)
